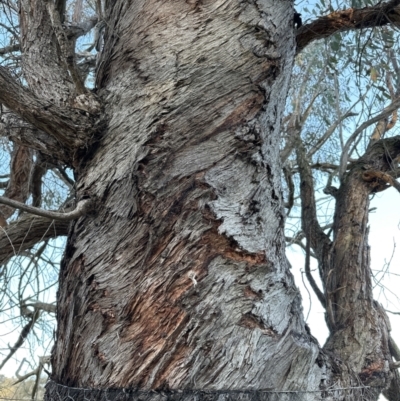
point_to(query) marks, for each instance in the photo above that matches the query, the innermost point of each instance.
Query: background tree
(174, 274)
(341, 245)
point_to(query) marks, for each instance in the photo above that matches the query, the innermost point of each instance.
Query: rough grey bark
(181, 278)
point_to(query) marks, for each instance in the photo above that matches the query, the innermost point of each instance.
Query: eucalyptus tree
(174, 275)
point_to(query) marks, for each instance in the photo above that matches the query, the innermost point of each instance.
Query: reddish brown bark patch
(251, 322)
(220, 245)
(249, 293)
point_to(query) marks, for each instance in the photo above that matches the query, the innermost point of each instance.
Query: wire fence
(58, 392)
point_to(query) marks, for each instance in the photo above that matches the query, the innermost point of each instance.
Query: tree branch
(350, 19)
(310, 278)
(60, 6)
(26, 232)
(81, 209)
(20, 176)
(66, 46)
(345, 153)
(373, 175)
(289, 181)
(328, 133)
(22, 133)
(24, 333)
(309, 221)
(315, 235)
(10, 49)
(74, 31)
(37, 305)
(70, 127)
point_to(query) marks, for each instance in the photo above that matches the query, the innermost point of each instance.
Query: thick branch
(74, 31)
(22, 133)
(316, 237)
(66, 47)
(37, 305)
(60, 6)
(350, 19)
(38, 171)
(289, 181)
(70, 127)
(26, 232)
(373, 175)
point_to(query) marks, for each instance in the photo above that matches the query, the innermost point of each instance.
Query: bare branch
(66, 46)
(393, 313)
(60, 6)
(38, 171)
(289, 181)
(24, 333)
(345, 153)
(320, 295)
(350, 19)
(26, 232)
(315, 235)
(81, 209)
(309, 220)
(37, 305)
(74, 31)
(77, 14)
(330, 131)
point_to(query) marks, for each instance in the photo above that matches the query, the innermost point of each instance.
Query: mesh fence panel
(58, 392)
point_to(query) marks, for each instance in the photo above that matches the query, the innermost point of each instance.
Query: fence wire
(58, 392)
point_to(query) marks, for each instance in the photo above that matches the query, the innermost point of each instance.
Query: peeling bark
(181, 280)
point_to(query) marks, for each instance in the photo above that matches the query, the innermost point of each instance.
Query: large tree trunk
(180, 278)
